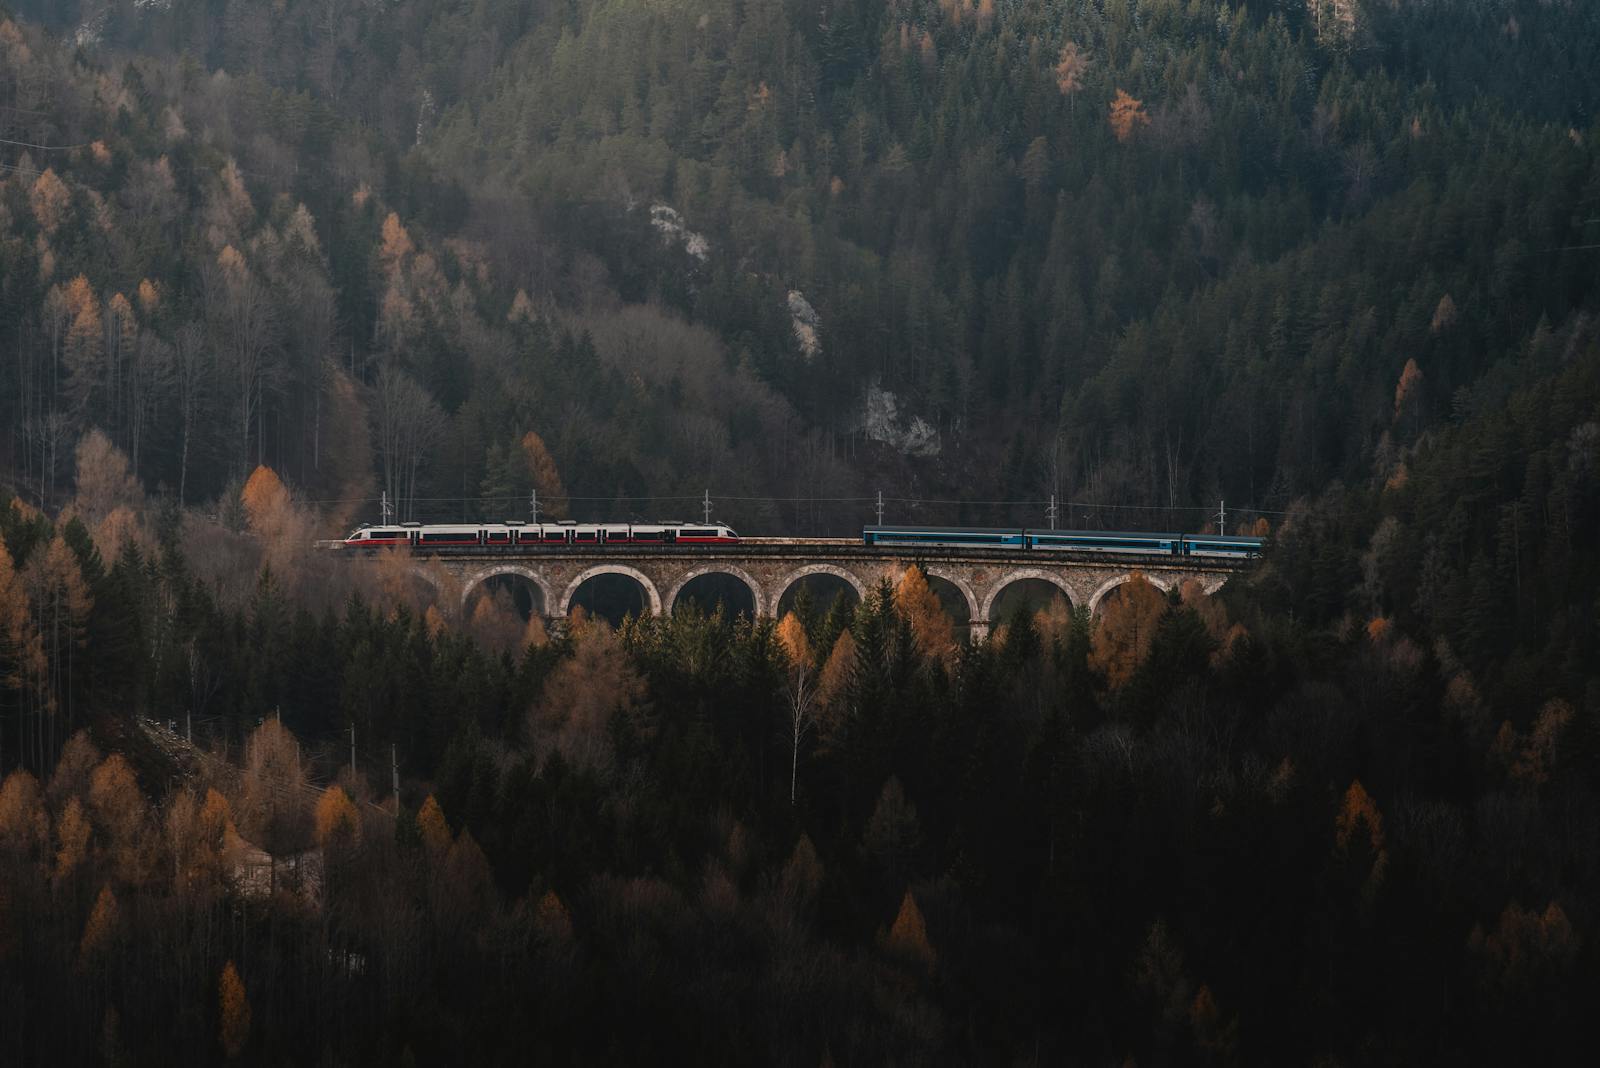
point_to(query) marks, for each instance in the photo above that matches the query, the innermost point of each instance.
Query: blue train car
(944, 537)
(1106, 541)
(1237, 548)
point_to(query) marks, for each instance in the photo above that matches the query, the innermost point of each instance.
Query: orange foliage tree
(1127, 115)
(908, 938)
(585, 692)
(234, 1009)
(915, 600)
(546, 477)
(1127, 625)
(1070, 69)
(101, 929)
(1358, 835)
(338, 824)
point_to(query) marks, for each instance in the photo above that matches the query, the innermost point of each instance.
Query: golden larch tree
(585, 691)
(833, 686)
(396, 243)
(105, 481)
(1129, 616)
(1408, 387)
(119, 809)
(432, 828)
(24, 825)
(930, 626)
(234, 1009)
(72, 841)
(101, 929)
(1070, 68)
(49, 199)
(1358, 833)
(552, 921)
(546, 476)
(21, 651)
(1126, 116)
(338, 824)
(264, 497)
(908, 938)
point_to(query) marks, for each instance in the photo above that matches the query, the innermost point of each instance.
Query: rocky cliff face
(882, 421)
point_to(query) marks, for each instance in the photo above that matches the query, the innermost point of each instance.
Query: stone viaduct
(771, 566)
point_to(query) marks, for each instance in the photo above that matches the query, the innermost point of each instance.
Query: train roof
(1145, 534)
(925, 528)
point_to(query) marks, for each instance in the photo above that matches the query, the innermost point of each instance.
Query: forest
(1336, 262)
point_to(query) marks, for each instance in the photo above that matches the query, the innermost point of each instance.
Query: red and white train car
(514, 535)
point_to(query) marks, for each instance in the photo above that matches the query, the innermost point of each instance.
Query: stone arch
(478, 578)
(954, 578)
(1017, 576)
(1160, 582)
(781, 587)
(652, 594)
(714, 569)
(423, 574)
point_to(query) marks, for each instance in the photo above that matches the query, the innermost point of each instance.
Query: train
(512, 534)
(1082, 541)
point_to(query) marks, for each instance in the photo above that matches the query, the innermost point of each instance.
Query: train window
(583, 535)
(555, 535)
(376, 534)
(697, 533)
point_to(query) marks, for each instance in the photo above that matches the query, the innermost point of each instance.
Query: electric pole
(533, 504)
(880, 508)
(706, 507)
(352, 752)
(1222, 517)
(1052, 511)
(385, 507)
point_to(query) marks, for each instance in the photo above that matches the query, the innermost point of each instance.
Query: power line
(45, 148)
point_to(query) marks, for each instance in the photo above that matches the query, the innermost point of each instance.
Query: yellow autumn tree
(72, 841)
(432, 829)
(396, 243)
(915, 600)
(584, 693)
(546, 476)
(49, 198)
(264, 497)
(105, 481)
(1128, 619)
(1126, 116)
(1218, 1038)
(61, 605)
(338, 824)
(1358, 836)
(1070, 69)
(119, 809)
(1407, 388)
(149, 297)
(908, 938)
(833, 686)
(552, 921)
(101, 929)
(1537, 761)
(234, 1010)
(24, 825)
(21, 651)
(83, 348)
